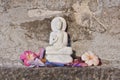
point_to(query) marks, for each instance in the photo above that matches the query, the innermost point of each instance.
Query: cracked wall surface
(93, 25)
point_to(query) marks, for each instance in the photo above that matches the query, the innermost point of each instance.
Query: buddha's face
(58, 25)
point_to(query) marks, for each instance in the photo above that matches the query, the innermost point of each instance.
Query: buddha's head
(58, 23)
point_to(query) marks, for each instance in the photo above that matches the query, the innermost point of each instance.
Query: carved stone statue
(58, 51)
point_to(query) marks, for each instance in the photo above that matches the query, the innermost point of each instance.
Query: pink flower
(27, 57)
(30, 58)
(90, 58)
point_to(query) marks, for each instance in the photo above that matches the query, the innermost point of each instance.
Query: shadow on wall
(37, 29)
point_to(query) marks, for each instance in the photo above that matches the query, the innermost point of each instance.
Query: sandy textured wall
(92, 25)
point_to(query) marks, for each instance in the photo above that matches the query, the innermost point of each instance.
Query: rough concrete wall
(66, 73)
(92, 25)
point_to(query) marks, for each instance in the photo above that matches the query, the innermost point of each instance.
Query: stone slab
(60, 73)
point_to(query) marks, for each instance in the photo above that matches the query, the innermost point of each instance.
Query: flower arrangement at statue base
(32, 59)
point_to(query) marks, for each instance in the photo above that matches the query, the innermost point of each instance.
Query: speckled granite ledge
(60, 73)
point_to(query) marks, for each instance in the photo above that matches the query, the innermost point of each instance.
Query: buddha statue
(58, 51)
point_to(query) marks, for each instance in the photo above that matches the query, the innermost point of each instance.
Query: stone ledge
(60, 73)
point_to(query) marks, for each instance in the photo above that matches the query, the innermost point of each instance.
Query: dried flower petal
(90, 59)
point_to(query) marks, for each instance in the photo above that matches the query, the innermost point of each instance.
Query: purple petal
(41, 53)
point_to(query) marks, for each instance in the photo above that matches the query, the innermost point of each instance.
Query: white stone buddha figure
(58, 51)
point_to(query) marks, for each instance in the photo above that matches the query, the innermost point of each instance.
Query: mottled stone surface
(92, 25)
(60, 73)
